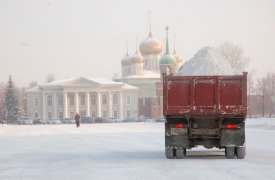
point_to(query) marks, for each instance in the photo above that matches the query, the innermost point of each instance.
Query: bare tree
(234, 54)
(266, 89)
(251, 91)
(270, 91)
(50, 77)
(261, 90)
(33, 84)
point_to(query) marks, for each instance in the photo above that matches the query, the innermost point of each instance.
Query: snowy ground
(126, 151)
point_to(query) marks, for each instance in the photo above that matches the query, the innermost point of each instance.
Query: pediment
(81, 82)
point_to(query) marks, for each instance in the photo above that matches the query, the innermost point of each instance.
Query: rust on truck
(211, 109)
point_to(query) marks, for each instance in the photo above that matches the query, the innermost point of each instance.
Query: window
(93, 114)
(50, 115)
(49, 100)
(82, 99)
(128, 100)
(104, 99)
(115, 114)
(104, 114)
(60, 100)
(71, 114)
(36, 115)
(36, 102)
(128, 113)
(82, 113)
(71, 99)
(93, 98)
(60, 115)
(115, 99)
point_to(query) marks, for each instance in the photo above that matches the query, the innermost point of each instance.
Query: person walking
(77, 119)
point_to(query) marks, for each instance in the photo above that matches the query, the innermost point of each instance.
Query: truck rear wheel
(169, 152)
(240, 152)
(230, 152)
(180, 153)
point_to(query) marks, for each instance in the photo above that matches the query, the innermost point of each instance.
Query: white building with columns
(94, 97)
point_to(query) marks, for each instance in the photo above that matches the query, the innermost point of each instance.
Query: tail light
(179, 126)
(232, 126)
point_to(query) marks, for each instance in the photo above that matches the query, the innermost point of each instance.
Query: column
(54, 106)
(110, 104)
(120, 106)
(98, 104)
(88, 104)
(44, 105)
(76, 102)
(65, 104)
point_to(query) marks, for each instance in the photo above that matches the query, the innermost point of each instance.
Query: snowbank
(207, 61)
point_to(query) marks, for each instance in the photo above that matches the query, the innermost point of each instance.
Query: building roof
(147, 75)
(99, 81)
(80, 81)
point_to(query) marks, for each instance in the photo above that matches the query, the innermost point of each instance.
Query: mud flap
(235, 137)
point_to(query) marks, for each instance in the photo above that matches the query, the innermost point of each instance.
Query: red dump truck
(205, 110)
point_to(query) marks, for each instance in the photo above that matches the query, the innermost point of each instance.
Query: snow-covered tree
(234, 54)
(22, 102)
(2, 101)
(11, 102)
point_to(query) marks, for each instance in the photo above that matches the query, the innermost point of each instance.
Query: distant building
(95, 97)
(143, 70)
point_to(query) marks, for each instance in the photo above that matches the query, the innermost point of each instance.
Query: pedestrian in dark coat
(77, 119)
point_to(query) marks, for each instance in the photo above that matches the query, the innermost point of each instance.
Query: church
(143, 69)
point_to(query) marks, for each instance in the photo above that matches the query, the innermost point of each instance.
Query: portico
(89, 97)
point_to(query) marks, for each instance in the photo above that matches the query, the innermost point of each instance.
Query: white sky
(88, 37)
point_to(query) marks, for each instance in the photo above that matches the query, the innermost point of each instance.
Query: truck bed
(205, 95)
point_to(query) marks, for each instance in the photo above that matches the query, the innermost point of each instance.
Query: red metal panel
(178, 93)
(204, 92)
(231, 92)
(205, 95)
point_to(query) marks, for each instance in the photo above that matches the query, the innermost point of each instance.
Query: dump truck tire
(180, 153)
(240, 152)
(230, 152)
(169, 152)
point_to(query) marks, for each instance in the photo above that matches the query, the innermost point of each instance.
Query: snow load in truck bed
(206, 62)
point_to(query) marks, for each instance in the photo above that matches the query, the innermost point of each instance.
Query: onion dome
(126, 60)
(150, 45)
(137, 58)
(167, 58)
(178, 57)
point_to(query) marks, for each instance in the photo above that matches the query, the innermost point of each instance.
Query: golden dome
(178, 58)
(137, 58)
(150, 46)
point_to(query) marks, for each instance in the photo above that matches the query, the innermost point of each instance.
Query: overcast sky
(88, 37)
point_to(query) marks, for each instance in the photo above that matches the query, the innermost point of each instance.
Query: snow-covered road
(126, 151)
